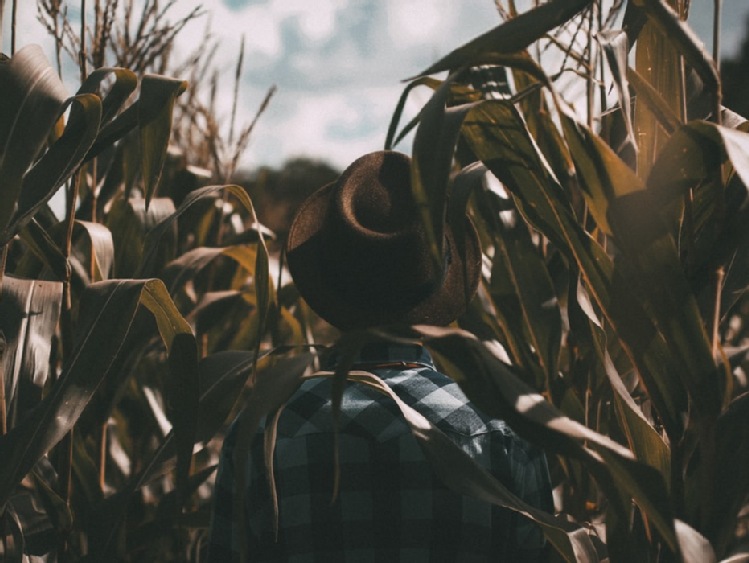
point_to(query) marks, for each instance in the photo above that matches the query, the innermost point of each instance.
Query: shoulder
(363, 412)
(441, 400)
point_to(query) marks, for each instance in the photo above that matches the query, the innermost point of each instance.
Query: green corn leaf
(524, 298)
(649, 262)
(649, 98)
(157, 97)
(684, 38)
(499, 138)
(123, 83)
(616, 48)
(98, 343)
(730, 486)
(525, 304)
(433, 149)
(149, 264)
(222, 377)
(185, 267)
(604, 178)
(115, 130)
(131, 225)
(510, 37)
(693, 159)
(642, 438)
(100, 247)
(170, 322)
(693, 546)
(13, 551)
(61, 159)
(693, 155)
(33, 100)
(44, 248)
(182, 393)
(390, 139)
(29, 312)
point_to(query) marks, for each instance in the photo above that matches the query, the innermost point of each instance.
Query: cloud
(419, 22)
(333, 126)
(338, 87)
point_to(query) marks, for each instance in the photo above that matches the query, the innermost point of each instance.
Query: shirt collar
(377, 355)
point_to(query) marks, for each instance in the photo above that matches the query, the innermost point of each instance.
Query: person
(358, 255)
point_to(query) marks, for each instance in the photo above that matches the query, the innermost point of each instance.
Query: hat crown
(359, 255)
(374, 242)
(380, 202)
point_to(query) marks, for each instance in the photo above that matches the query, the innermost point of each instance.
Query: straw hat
(359, 256)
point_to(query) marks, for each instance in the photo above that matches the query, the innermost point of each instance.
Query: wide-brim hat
(358, 253)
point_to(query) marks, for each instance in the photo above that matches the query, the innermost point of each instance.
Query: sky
(339, 65)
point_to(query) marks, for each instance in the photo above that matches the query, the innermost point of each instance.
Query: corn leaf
(731, 486)
(433, 149)
(616, 49)
(123, 83)
(33, 99)
(157, 97)
(98, 342)
(526, 305)
(221, 377)
(182, 394)
(100, 249)
(511, 36)
(115, 130)
(604, 177)
(684, 39)
(130, 223)
(693, 159)
(149, 264)
(649, 99)
(644, 441)
(184, 268)
(390, 139)
(692, 155)
(649, 263)
(693, 546)
(61, 159)
(29, 312)
(499, 138)
(170, 322)
(13, 551)
(658, 62)
(41, 244)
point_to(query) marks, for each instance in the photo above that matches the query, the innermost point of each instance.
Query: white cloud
(316, 20)
(337, 127)
(419, 21)
(262, 36)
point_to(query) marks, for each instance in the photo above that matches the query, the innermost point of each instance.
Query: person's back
(389, 504)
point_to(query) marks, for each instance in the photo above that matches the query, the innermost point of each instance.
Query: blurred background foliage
(603, 158)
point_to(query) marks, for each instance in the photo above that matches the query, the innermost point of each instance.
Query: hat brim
(445, 304)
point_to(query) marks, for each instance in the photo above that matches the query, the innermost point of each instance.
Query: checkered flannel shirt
(391, 506)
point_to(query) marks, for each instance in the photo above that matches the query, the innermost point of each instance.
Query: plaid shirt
(390, 506)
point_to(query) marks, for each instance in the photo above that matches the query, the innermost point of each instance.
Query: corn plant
(609, 328)
(131, 320)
